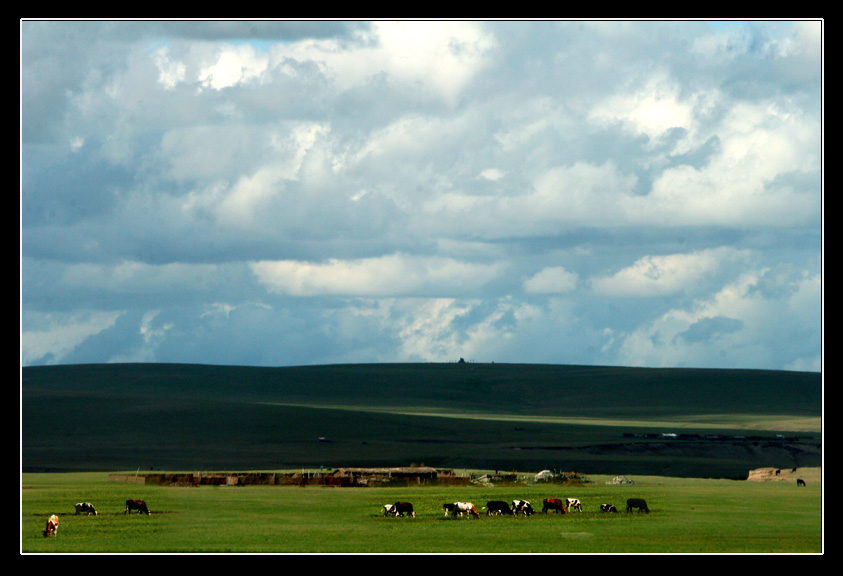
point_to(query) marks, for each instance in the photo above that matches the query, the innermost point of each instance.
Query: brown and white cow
(52, 526)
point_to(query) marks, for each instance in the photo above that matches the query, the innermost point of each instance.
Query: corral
(404, 476)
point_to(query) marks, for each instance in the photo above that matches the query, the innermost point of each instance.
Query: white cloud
(232, 65)
(652, 110)
(668, 274)
(552, 280)
(394, 275)
(51, 337)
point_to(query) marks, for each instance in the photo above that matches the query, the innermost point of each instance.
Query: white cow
(465, 507)
(573, 502)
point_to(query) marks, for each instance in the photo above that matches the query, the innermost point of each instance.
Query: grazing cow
(800, 482)
(497, 507)
(522, 507)
(401, 508)
(608, 508)
(467, 508)
(554, 504)
(637, 503)
(138, 505)
(85, 508)
(388, 509)
(449, 508)
(573, 503)
(52, 526)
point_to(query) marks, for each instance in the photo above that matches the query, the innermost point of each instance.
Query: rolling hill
(680, 422)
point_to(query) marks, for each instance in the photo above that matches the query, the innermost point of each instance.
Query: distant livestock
(388, 509)
(522, 507)
(401, 508)
(85, 508)
(52, 526)
(608, 508)
(467, 508)
(138, 505)
(497, 507)
(573, 503)
(449, 508)
(638, 503)
(554, 504)
(800, 482)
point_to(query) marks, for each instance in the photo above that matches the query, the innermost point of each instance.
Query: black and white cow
(573, 503)
(450, 508)
(85, 508)
(389, 509)
(497, 507)
(522, 507)
(608, 508)
(401, 508)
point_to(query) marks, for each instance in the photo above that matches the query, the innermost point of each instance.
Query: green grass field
(688, 515)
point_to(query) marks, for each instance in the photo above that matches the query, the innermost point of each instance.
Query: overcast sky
(294, 193)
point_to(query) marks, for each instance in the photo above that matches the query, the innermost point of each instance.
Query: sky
(284, 193)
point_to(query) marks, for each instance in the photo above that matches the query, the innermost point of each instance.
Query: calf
(449, 508)
(522, 507)
(608, 508)
(573, 503)
(497, 507)
(637, 503)
(554, 504)
(85, 508)
(388, 509)
(401, 508)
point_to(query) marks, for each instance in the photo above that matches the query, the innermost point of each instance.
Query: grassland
(598, 420)
(689, 515)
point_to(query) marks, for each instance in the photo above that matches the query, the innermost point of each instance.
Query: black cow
(554, 504)
(138, 505)
(85, 508)
(800, 482)
(608, 508)
(497, 507)
(522, 507)
(401, 508)
(639, 503)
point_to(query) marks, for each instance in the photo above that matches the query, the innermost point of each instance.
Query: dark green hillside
(97, 417)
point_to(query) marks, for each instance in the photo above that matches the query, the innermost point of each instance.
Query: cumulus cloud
(666, 275)
(387, 276)
(584, 192)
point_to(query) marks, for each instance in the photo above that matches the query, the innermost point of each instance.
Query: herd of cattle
(493, 507)
(88, 509)
(498, 507)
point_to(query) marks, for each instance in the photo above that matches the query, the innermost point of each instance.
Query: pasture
(688, 515)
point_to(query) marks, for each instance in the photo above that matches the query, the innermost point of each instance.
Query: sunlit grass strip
(776, 422)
